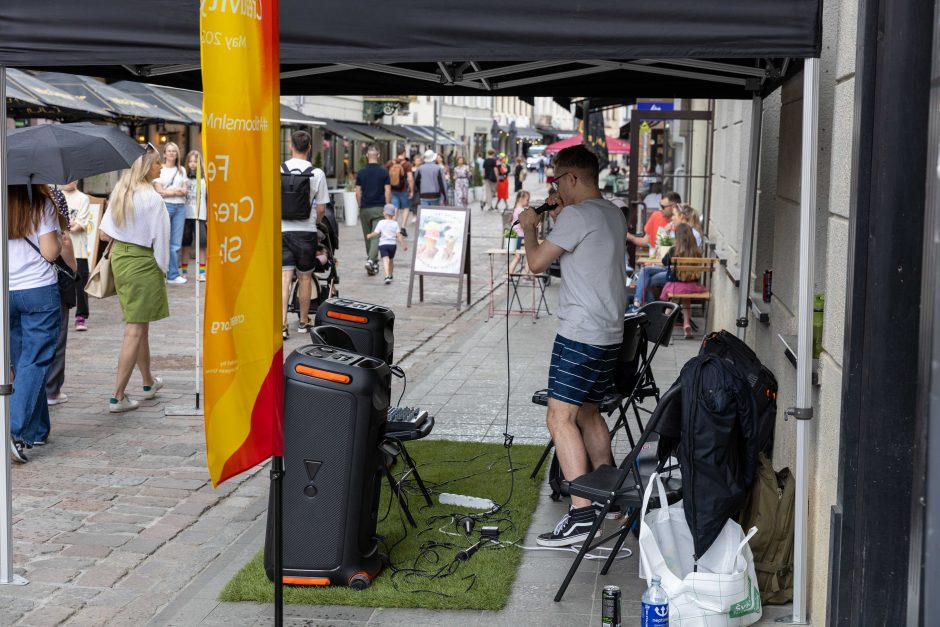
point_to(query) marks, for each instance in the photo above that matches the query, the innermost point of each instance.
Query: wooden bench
(702, 266)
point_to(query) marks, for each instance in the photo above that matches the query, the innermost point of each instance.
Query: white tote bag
(723, 592)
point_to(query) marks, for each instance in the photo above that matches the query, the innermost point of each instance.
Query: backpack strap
(285, 169)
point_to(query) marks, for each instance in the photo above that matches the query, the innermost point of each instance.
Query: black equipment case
(335, 408)
(371, 327)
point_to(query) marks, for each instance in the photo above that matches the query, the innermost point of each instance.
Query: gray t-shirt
(593, 293)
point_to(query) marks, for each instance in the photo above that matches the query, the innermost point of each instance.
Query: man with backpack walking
(402, 181)
(373, 192)
(304, 197)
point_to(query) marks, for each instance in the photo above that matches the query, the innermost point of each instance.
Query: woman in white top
(138, 223)
(34, 311)
(171, 185)
(195, 213)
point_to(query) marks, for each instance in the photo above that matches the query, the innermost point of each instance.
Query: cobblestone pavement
(116, 522)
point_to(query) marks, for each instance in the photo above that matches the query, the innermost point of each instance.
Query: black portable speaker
(371, 327)
(335, 406)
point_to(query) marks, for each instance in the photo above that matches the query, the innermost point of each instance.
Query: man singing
(588, 238)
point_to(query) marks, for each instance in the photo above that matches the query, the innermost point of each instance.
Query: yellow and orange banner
(242, 343)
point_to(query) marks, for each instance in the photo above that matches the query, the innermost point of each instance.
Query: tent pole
(803, 411)
(6, 388)
(750, 213)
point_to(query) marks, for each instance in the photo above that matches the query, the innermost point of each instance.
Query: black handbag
(65, 277)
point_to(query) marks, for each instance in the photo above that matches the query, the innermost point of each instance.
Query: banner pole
(198, 255)
(277, 476)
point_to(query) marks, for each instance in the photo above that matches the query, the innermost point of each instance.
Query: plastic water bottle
(655, 608)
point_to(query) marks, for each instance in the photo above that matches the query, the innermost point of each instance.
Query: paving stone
(47, 616)
(101, 576)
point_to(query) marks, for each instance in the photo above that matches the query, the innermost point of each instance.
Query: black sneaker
(371, 267)
(285, 332)
(18, 451)
(573, 528)
(404, 232)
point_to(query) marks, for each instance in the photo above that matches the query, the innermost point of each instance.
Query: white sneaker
(177, 281)
(116, 406)
(57, 400)
(150, 391)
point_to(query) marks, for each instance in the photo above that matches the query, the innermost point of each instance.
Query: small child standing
(389, 234)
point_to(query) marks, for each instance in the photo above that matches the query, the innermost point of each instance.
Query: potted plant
(350, 206)
(664, 241)
(477, 182)
(510, 240)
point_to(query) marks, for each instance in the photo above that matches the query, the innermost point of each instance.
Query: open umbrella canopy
(614, 146)
(60, 153)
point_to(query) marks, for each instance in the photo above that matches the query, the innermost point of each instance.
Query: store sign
(667, 105)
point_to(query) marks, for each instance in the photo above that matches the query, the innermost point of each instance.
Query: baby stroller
(325, 277)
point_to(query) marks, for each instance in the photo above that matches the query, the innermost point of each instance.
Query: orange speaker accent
(326, 375)
(307, 581)
(348, 317)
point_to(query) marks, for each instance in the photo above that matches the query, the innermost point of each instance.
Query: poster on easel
(441, 248)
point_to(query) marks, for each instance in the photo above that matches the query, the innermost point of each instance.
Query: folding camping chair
(625, 376)
(613, 486)
(661, 318)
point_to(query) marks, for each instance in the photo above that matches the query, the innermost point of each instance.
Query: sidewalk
(116, 523)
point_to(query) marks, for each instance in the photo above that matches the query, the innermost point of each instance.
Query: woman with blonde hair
(171, 185)
(34, 244)
(195, 213)
(139, 227)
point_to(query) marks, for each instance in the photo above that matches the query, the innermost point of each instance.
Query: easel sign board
(441, 248)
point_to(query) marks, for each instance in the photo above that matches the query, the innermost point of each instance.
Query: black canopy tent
(737, 49)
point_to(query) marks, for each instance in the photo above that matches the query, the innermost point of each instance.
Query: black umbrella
(60, 153)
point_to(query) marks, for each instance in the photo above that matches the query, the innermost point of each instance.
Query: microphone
(539, 210)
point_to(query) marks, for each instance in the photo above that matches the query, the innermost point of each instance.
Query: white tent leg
(6, 492)
(803, 411)
(750, 214)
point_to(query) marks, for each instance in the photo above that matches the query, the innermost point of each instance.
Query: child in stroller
(325, 277)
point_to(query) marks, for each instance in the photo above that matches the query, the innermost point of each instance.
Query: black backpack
(295, 193)
(762, 381)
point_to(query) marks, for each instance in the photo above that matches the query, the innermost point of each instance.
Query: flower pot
(350, 208)
(510, 243)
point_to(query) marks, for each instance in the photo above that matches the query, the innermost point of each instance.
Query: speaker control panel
(351, 304)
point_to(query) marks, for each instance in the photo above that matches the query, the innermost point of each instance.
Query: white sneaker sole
(566, 541)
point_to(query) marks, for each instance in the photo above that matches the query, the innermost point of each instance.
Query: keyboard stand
(396, 440)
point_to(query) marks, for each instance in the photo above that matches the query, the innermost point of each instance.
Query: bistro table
(516, 280)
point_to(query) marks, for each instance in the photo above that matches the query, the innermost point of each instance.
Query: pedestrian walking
(543, 160)
(33, 246)
(373, 191)
(55, 376)
(79, 221)
(522, 202)
(462, 179)
(195, 214)
(402, 181)
(417, 162)
(518, 175)
(389, 236)
(299, 239)
(502, 183)
(138, 226)
(489, 180)
(430, 182)
(171, 186)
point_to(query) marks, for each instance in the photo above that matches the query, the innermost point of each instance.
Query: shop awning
(293, 117)
(119, 103)
(522, 132)
(145, 93)
(55, 98)
(377, 133)
(406, 133)
(342, 130)
(443, 138)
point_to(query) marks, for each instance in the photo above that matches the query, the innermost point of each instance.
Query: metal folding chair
(612, 486)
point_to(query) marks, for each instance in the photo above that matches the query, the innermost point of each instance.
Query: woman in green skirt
(139, 225)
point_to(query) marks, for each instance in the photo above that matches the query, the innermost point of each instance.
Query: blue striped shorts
(581, 373)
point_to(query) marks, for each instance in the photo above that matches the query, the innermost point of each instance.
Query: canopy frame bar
(313, 71)
(750, 215)
(649, 69)
(712, 65)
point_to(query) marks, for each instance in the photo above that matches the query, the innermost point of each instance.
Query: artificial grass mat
(481, 583)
